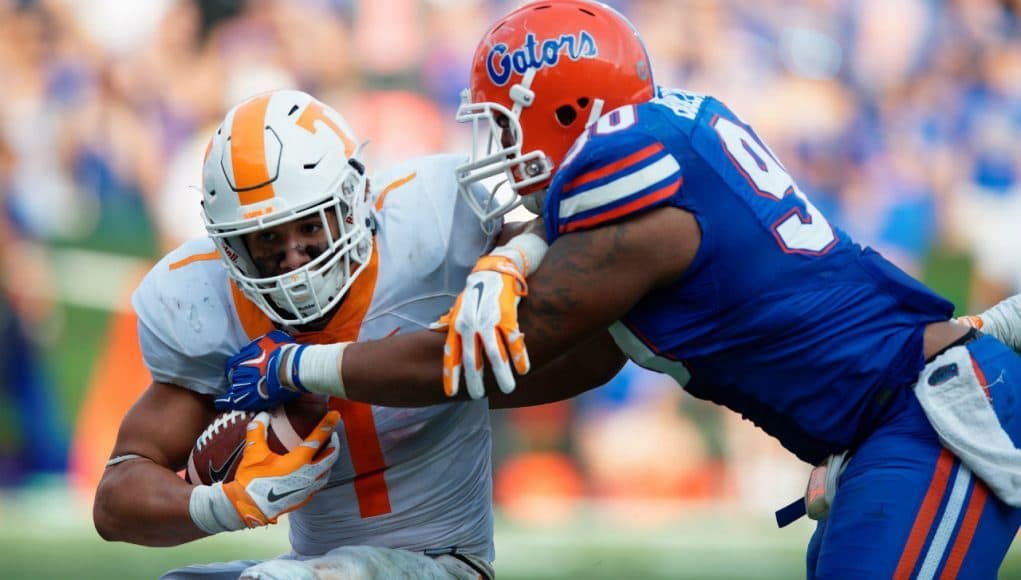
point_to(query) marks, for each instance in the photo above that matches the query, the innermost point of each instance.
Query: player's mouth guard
(822, 487)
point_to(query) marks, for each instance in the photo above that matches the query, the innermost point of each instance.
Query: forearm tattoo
(574, 274)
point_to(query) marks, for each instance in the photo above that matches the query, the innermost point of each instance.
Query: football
(217, 451)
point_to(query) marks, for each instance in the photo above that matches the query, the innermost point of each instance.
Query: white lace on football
(222, 421)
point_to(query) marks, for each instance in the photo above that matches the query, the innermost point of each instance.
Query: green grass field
(48, 535)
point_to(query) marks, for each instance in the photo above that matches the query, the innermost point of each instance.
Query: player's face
(283, 248)
(506, 133)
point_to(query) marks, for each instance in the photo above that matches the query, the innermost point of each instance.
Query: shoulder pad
(187, 323)
(616, 169)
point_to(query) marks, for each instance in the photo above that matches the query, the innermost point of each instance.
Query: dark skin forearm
(588, 281)
(585, 366)
(143, 501)
(588, 365)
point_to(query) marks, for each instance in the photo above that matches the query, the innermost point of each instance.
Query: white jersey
(406, 478)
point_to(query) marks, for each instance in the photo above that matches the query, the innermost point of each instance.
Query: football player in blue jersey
(673, 228)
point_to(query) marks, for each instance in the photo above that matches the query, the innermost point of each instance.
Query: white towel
(960, 410)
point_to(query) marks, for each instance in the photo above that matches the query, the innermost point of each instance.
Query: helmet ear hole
(566, 115)
(583, 102)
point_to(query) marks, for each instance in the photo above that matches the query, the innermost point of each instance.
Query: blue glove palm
(253, 375)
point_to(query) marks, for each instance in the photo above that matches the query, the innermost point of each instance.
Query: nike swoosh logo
(256, 361)
(273, 496)
(219, 473)
(478, 287)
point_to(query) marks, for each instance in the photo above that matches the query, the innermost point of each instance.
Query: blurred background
(900, 118)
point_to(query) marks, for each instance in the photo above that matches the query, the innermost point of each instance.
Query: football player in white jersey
(300, 241)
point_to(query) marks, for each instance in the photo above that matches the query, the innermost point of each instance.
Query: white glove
(1002, 321)
(267, 485)
(486, 315)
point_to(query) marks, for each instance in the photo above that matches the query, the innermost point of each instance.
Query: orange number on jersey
(366, 456)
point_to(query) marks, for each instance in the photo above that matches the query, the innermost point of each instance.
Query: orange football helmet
(540, 76)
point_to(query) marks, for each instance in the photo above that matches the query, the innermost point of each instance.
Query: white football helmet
(278, 157)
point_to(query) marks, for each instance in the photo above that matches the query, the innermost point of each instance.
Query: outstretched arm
(585, 366)
(587, 281)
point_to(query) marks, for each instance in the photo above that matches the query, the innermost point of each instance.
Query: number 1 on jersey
(366, 457)
(800, 230)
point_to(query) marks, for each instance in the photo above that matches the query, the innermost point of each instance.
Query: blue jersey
(780, 316)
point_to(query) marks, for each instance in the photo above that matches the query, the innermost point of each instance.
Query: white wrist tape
(525, 250)
(319, 369)
(212, 511)
(1003, 321)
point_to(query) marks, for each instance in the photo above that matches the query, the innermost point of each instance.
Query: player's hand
(1003, 321)
(268, 485)
(485, 318)
(253, 375)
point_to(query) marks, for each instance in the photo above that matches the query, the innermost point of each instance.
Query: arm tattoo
(581, 263)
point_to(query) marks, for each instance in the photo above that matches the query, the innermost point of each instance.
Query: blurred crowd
(901, 119)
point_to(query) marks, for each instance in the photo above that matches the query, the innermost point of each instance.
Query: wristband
(294, 363)
(525, 250)
(318, 369)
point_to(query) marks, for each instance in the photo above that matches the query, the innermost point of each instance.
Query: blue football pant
(906, 507)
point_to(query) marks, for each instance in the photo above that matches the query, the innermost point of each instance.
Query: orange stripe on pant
(926, 515)
(972, 514)
(966, 533)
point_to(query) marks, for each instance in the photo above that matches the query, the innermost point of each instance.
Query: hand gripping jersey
(781, 316)
(406, 478)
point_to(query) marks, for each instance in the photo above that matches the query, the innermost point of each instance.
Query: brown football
(217, 451)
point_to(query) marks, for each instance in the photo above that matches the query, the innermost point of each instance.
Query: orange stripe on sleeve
(391, 187)
(635, 157)
(967, 531)
(248, 151)
(926, 515)
(214, 255)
